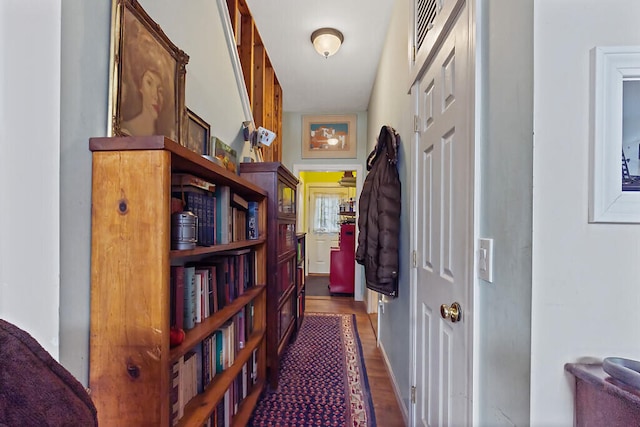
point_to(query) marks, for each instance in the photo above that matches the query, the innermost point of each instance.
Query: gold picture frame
(198, 131)
(329, 137)
(147, 76)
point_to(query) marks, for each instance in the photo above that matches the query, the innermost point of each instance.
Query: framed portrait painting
(329, 137)
(147, 76)
(615, 135)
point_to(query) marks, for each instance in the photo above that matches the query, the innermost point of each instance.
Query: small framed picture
(227, 155)
(329, 137)
(197, 135)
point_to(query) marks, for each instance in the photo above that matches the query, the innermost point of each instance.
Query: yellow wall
(308, 178)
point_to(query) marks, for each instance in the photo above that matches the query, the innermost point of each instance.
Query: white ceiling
(310, 83)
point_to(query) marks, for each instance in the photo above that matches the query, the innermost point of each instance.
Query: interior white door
(321, 237)
(444, 226)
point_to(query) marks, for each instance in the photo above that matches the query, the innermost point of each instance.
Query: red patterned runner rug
(323, 379)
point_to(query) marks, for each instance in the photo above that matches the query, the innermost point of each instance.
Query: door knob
(453, 312)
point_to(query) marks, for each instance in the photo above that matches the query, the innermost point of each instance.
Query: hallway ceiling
(310, 83)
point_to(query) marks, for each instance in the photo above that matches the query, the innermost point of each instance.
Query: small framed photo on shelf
(147, 76)
(227, 155)
(197, 133)
(329, 137)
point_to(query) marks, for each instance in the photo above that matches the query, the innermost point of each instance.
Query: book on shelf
(188, 376)
(245, 380)
(220, 297)
(177, 296)
(252, 221)
(239, 317)
(197, 283)
(219, 355)
(249, 319)
(208, 363)
(199, 383)
(174, 394)
(254, 370)
(220, 414)
(228, 406)
(189, 318)
(223, 214)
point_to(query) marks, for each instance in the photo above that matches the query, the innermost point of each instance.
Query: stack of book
(198, 290)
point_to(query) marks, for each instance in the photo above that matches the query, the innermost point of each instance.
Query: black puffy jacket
(379, 220)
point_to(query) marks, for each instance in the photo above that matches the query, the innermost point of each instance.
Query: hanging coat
(379, 220)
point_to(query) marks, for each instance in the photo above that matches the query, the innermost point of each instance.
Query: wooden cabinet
(282, 296)
(301, 275)
(131, 261)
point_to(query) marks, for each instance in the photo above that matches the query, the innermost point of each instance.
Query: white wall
(390, 104)
(210, 90)
(29, 167)
(504, 118)
(586, 292)
(83, 114)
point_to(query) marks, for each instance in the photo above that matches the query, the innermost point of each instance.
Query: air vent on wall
(425, 15)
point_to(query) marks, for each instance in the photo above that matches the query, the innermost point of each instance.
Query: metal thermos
(184, 230)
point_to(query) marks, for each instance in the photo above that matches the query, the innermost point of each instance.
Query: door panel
(320, 242)
(443, 225)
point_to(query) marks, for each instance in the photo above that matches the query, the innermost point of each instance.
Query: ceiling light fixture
(327, 41)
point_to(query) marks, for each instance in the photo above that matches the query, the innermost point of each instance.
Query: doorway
(303, 212)
(323, 222)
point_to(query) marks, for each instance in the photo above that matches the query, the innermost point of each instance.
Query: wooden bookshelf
(282, 258)
(131, 259)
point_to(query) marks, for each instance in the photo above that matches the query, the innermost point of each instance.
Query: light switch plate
(485, 259)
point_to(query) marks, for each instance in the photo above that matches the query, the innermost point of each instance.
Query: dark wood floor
(388, 413)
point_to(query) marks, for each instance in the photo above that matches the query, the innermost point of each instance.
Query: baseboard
(394, 384)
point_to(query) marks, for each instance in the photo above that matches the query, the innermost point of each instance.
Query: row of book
(200, 289)
(223, 216)
(194, 371)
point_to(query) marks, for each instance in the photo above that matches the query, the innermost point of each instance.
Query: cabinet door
(286, 198)
(286, 237)
(287, 276)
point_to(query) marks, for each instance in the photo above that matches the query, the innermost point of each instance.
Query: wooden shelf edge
(182, 159)
(201, 406)
(201, 251)
(202, 330)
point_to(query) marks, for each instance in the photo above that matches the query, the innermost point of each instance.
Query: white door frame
(358, 291)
